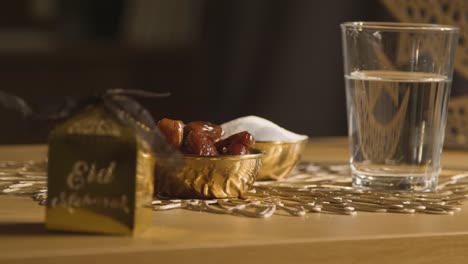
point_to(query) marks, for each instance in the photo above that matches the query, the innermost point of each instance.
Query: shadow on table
(32, 229)
(22, 229)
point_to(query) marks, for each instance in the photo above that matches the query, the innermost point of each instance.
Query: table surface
(180, 236)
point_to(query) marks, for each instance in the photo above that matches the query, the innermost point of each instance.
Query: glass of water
(398, 78)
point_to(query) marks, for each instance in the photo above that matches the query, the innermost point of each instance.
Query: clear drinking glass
(398, 78)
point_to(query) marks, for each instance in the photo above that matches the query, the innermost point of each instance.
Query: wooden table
(181, 236)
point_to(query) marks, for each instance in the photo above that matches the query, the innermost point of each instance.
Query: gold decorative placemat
(311, 188)
(23, 178)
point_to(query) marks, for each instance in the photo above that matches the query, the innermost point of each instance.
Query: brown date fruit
(173, 131)
(243, 138)
(197, 143)
(237, 149)
(212, 131)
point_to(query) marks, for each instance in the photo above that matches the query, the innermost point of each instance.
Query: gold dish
(279, 159)
(210, 176)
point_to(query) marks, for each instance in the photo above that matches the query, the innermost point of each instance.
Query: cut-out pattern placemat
(311, 188)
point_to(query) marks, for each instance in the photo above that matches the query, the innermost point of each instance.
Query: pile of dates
(204, 138)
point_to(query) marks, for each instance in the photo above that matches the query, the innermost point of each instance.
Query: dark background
(220, 59)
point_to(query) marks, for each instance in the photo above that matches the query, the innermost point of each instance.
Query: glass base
(401, 183)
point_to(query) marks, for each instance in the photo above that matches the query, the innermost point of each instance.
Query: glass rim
(398, 26)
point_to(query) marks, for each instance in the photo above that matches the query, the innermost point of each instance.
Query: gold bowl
(279, 159)
(210, 176)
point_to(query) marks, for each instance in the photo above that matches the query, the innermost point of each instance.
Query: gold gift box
(100, 175)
